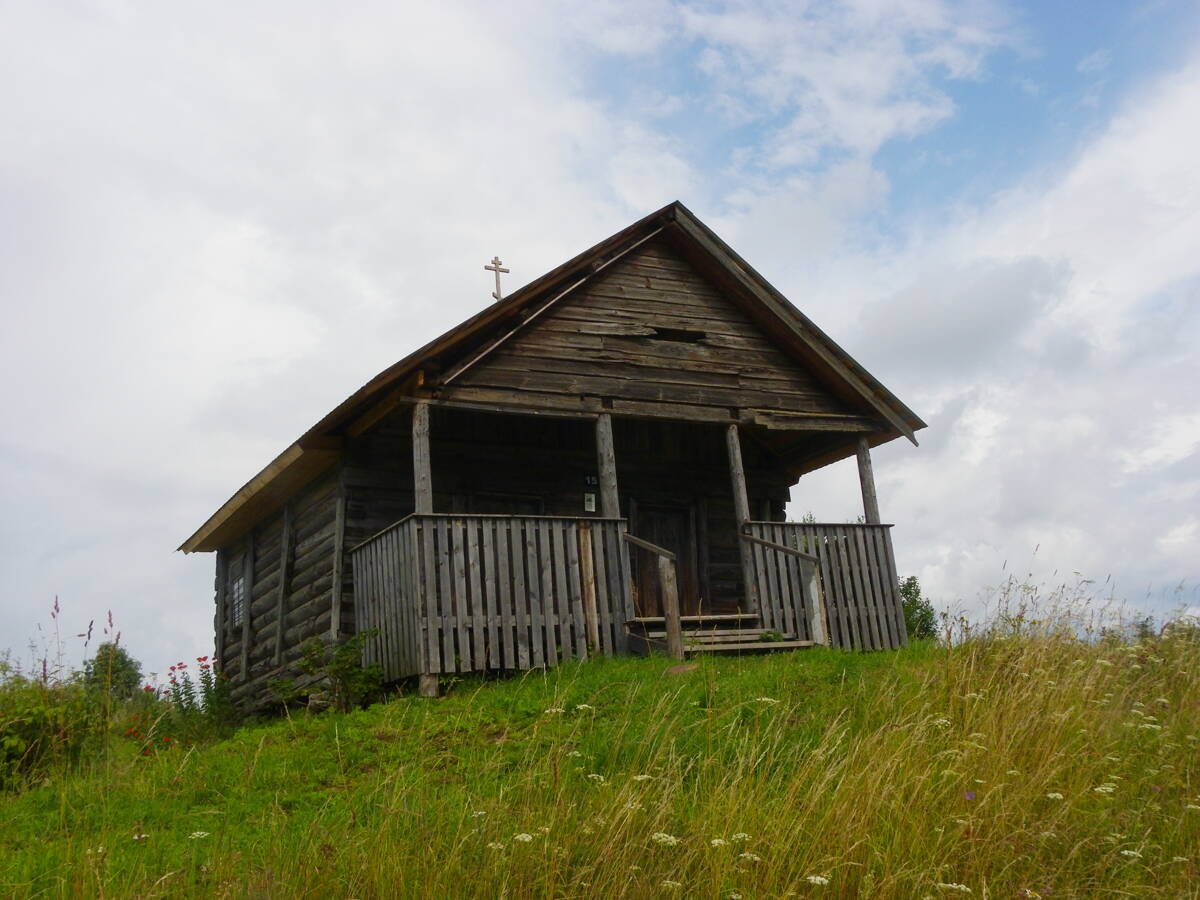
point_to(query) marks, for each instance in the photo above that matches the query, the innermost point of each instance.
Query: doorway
(672, 527)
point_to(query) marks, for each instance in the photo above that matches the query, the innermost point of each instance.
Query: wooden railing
(785, 582)
(668, 593)
(462, 593)
(857, 579)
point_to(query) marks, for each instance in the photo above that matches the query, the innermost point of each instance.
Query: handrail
(646, 545)
(437, 515)
(783, 548)
(825, 524)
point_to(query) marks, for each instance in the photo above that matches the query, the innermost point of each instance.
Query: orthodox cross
(497, 268)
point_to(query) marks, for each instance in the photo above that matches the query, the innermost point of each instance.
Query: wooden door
(672, 528)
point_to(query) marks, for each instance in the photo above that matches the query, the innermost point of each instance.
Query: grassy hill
(1019, 766)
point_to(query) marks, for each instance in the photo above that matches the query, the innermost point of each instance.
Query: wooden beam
(422, 474)
(606, 457)
(285, 578)
(670, 604)
(741, 508)
(587, 580)
(247, 603)
(661, 552)
(222, 592)
(866, 479)
(339, 556)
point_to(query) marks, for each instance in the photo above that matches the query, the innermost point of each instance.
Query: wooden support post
(587, 579)
(429, 685)
(670, 604)
(422, 471)
(866, 478)
(247, 603)
(222, 594)
(606, 457)
(339, 556)
(285, 580)
(741, 509)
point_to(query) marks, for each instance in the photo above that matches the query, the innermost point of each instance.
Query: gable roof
(464, 345)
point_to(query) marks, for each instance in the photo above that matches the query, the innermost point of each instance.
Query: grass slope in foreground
(1006, 766)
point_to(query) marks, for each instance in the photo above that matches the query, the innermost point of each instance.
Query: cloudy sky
(218, 220)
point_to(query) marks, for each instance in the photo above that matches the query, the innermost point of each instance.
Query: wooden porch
(465, 593)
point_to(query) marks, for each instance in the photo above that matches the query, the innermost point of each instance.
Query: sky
(218, 220)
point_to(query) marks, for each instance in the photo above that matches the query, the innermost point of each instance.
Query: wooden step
(729, 634)
(716, 619)
(755, 647)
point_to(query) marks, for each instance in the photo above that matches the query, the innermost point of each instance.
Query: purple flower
(970, 795)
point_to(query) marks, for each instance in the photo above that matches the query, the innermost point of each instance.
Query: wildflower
(667, 840)
(1150, 726)
(1103, 662)
(544, 829)
(1013, 772)
(583, 707)
(749, 857)
(734, 895)
(642, 777)
(741, 836)
(1054, 795)
(523, 837)
(634, 805)
(196, 835)
(495, 845)
(596, 777)
(140, 837)
(478, 813)
(1179, 859)
(1192, 806)
(1106, 788)
(816, 879)
(718, 842)
(951, 886)
(148, 687)
(970, 795)
(671, 885)
(552, 710)
(765, 700)
(574, 753)
(941, 723)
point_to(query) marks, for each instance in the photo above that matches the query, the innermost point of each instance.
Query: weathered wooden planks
(857, 575)
(453, 593)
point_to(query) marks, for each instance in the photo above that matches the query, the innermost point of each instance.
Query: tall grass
(1014, 761)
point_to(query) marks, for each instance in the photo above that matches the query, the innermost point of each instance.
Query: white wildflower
(1163, 700)
(1103, 662)
(495, 845)
(941, 723)
(139, 837)
(734, 895)
(1106, 788)
(523, 837)
(596, 777)
(642, 777)
(1054, 795)
(718, 842)
(553, 710)
(544, 829)
(1192, 806)
(583, 707)
(671, 885)
(951, 886)
(478, 813)
(1013, 772)
(633, 805)
(816, 879)
(667, 840)
(574, 753)
(740, 836)
(196, 835)
(1151, 726)
(749, 857)
(766, 700)
(1132, 854)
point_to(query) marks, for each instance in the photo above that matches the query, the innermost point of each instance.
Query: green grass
(891, 774)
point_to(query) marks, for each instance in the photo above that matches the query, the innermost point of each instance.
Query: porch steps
(713, 634)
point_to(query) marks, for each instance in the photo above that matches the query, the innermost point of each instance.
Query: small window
(678, 335)
(237, 601)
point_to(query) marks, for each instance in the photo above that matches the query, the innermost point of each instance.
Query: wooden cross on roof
(496, 267)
